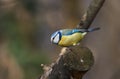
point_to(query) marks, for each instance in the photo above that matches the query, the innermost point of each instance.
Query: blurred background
(26, 26)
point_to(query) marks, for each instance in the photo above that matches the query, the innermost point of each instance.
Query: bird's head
(56, 37)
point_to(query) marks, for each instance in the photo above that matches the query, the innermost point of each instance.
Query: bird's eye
(53, 36)
(56, 38)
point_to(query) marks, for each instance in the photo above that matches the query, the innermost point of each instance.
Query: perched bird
(70, 37)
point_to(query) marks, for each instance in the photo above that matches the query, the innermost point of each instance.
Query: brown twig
(90, 14)
(74, 62)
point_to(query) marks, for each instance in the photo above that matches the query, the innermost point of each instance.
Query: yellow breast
(73, 39)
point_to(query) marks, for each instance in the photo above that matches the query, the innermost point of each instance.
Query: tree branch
(72, 63)
(91, 13)
(75, 61)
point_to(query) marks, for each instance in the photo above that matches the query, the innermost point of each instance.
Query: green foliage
(8, 25)
(29, 61)
(28, 58)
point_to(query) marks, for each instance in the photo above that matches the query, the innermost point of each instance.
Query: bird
(70, 37)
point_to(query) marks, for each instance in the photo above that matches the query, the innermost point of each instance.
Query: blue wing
(70, 31)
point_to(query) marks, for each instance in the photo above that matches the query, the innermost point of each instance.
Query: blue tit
(70, 37)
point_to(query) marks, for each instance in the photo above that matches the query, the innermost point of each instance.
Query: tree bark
(90, 14)
(72, 63)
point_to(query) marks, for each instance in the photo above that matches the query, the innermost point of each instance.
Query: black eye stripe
(58, 33)
(55, 36)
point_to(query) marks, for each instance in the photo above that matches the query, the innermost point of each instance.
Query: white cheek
(56, 39)
(53, 35)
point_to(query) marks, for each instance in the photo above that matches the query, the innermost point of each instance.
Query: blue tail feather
(89, 29)
(93, 29)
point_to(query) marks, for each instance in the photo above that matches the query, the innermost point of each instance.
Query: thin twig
(90, 14)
